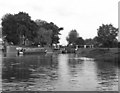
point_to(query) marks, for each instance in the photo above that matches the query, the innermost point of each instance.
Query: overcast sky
(83, 15)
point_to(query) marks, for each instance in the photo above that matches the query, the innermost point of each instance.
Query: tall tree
(52, 29)
(89, 41)
(72, 37)
(43, 37)
(8, 27)
(55, 31)
(107, 35)
(79, 41)
(17, 26)
(96, 42)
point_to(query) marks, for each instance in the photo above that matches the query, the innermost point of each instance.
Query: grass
(101, 54)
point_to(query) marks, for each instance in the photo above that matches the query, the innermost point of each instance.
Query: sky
(83, 15)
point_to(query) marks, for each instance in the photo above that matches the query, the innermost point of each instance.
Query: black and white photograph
(59, 46)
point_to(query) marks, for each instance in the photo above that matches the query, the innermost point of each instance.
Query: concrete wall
(11, 51)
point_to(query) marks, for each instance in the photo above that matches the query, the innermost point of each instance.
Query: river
(57, 72)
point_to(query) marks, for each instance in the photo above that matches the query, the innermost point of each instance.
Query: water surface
(57, 72)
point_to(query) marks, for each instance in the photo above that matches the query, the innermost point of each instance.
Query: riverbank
(13, 50)
(101, 54)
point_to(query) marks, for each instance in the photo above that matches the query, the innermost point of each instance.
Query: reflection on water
(0, 71)
(64, 72)
(107, 75)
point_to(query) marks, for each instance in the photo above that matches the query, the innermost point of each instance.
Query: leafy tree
(51, 29)
(43, 37)
(96, 42)
(26, 26)
(40, 23)
(17, 26)
(72, 37)
(55, 31)
(9, 28)
(79, 41)
(92, 41)
(107, 35)
(89, 41)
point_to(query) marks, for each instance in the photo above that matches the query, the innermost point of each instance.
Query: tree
(72, 37)
(79, 41)
(17, 26)
(9, 28)
(43, 37)
(89, 41)
(55, 31)
(96, 42)
(51, 29)
(107, 35)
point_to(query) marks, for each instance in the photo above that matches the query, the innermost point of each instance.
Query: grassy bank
(101, 54)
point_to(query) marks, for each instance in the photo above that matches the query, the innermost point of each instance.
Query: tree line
(106, 37)
(19, 28)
